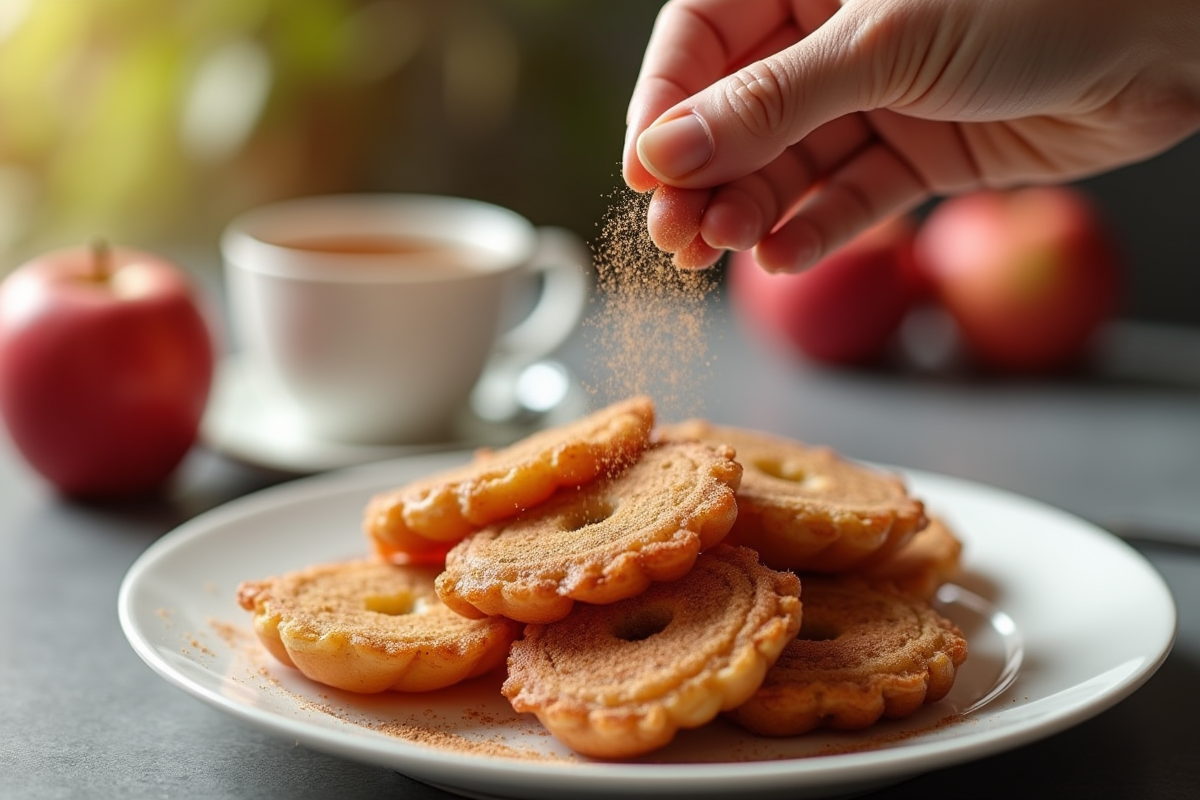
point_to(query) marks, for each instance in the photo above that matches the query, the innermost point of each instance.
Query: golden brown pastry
(806, 508)
(929, 559)
(419, 521)
(369, 626)
(620, 680)
(863, 653)
(600, 543)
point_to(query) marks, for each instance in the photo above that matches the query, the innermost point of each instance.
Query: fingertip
(793, 248)
(635, 175)
(697, 256)
(729, 224)
(673, 217)
(637, 178)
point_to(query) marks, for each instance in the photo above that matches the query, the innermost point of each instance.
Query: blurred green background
(157, 120)
(153, 122)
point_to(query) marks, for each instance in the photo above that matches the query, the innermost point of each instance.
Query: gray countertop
(82, 716)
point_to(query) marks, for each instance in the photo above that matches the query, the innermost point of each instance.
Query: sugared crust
(603, 542)
(619, 680)
(926, 561)
(420, 520)
(656, 572)
(369, 626)
(862, 654)
(807, 508)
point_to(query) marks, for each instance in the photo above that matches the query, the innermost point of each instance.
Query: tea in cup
(374, 315)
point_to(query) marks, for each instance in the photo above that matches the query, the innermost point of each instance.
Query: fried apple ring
(620, 680)
(806, 508)
(600, 543)
(929, 559)
(863, 653)
(420, 521)
(370, 626)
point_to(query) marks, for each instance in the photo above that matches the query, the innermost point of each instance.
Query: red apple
(843, 310)
(1027, 274)
(106, 360)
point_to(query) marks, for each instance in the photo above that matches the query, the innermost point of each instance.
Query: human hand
(791, 126)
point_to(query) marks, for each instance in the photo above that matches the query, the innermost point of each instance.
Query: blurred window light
(225, 100)
(18, 198)
(12, 14)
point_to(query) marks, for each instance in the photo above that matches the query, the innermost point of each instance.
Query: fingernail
(676, 148)
(628, 137)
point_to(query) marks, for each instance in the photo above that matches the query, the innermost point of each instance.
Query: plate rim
(885, 765)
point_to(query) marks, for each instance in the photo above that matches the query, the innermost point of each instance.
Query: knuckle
(757, 95)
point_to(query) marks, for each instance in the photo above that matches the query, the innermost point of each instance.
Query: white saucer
(246, 420)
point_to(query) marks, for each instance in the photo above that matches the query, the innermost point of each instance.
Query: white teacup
(377, 314)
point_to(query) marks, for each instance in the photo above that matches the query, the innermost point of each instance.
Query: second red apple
(843, 310)
(1027, 274)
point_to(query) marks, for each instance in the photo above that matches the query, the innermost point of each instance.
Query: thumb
(746, 120)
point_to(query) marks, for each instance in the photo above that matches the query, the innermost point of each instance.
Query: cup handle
(561, 258)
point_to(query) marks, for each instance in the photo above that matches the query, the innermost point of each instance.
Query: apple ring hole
(642, 624)
(818, 631)
(784, 471)
(590, 514)
(792, 473)
(393, 605)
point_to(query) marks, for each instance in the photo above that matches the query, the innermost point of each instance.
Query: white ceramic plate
(1043, 594)
(249, 420)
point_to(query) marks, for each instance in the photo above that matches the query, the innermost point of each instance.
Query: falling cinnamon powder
(647, 328)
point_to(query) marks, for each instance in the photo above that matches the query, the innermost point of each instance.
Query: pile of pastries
(635, 578)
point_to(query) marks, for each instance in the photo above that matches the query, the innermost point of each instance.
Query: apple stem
(101, 258)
